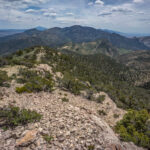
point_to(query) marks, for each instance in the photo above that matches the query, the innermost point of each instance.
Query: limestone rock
(27, 139)
(64, 126)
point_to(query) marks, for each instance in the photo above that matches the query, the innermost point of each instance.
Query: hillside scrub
(4, 78)
(90, 73)
(73, 85)
(135, 127)
(34, 81)
(100, 71)
(100, 99)
(12, 116)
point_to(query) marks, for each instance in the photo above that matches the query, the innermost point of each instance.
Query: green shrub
(19, 53)
(14, 116)
(1, 95)
(134, 127)
(91, 147)
(116, 115)
(35, 82)
(22, 89)
(90, 96)
(65, 94)
(73, 85)
(48, 138)
(3, 61)
(102, 112)
(26, 75)
(65, 99)
(100, 99)
(3, 78)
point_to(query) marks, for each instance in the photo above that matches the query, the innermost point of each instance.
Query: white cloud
(138, 1)
(90, 3)
(69, 14)
(50, 14)
(124, 8)
(31, 11)
(124, 16)
(99, 2)
(70, 20)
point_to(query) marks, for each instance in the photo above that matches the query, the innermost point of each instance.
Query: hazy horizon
(130, 16)
(138, 33)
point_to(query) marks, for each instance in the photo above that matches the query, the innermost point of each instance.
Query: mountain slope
(145, 40)
(15, 42)
(64, 125)
(69, 91)
(138, 60)
(95, 47)
(59, 36)
(127, 34)
(7, 32)
(99, 46)
(102, 72)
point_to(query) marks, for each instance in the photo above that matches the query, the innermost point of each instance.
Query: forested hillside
(138, 60)
(42, 70)
(102, 73)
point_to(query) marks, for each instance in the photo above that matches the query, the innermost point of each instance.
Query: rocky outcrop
(72, 125)
(28, 138)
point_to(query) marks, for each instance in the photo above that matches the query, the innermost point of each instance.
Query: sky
(130, 16)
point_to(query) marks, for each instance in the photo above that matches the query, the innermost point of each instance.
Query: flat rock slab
(28, 138)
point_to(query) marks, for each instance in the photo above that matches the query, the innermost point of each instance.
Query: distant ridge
(40, 28)
(145, 40)
(127, 34)
(7, 32)
(59, 36)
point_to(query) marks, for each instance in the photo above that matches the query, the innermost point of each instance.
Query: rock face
(27, 139)
(73, 125)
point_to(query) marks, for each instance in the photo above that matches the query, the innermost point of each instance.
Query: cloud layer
(122, 15)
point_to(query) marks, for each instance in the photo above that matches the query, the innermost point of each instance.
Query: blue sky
(122, 15)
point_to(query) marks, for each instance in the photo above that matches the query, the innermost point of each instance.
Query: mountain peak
(40, 28)
(32, 31)
(80, 27)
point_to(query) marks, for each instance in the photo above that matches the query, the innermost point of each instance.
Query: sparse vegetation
(4, 78)
(135, 127)
(102, 112)
(65, 94)
(93, 74)
(47, 138)
(100, 99)
(74, 86)
(34, 81)
(12, 116)
(64, 99)
(116, 115)
(101, 72)
(60, 93)
(91, 147)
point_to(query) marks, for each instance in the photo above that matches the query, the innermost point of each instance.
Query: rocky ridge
(74, 124)
(70, 125)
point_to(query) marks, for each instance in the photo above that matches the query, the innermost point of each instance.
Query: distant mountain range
(40, 28)
(145, 40)
(55, 37)
(7, 32)
(128, 34)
